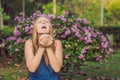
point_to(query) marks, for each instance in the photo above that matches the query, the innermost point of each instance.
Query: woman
(43, 54)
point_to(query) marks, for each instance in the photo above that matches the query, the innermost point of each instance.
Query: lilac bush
(80, 41)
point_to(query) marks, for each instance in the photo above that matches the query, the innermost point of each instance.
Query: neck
(39, 35)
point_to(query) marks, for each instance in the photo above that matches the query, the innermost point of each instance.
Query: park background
(102, 15)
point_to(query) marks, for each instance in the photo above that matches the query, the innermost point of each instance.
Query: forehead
(43, 18)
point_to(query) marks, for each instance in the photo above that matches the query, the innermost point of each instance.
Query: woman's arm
(32, 61)
(55, 58)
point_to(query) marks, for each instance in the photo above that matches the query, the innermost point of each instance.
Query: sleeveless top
(44, 72)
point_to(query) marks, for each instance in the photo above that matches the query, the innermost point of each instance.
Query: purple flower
(58, 17)
(94, 35)
(81, 56)
(19, 27)
(88, 41)
(77, 34)
(103, 38)
(11, 38)
(74, 28)
(83, 51)
(98, 58)
(16, 32)
(104, 45)
(3, 40)
(88, 34)
(81, 37)
(65, 13)
(51, 16)
(58, 24)
(63, 19)
(85, 21)
(63, 36)
(16, 49)
(78, 19)
(85, 29)
(59, 33)
(68, 32)
(17, 17)
(27, 29)
(19, 40)
(67, 56)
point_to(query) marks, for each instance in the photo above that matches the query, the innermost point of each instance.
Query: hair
(35, 39)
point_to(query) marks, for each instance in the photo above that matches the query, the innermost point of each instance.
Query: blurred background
(101, 14)
(91, 9)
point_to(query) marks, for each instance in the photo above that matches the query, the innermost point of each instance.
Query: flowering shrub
(80, 41)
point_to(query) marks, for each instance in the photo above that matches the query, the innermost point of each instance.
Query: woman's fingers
(46, 40)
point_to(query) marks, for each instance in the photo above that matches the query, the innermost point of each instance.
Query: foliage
(5, 16)
(85, 8)
(48, 8)
(5, 32)
(80, 41)
(82, 8)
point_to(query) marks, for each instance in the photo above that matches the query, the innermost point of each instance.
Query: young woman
(43, 54)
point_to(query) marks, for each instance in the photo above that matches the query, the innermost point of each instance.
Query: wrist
(48, 48)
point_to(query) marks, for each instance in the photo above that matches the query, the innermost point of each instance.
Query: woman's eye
(47, 21)
(40, 22)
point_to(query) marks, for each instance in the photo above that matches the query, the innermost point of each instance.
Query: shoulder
(28, 42)
(58, 42)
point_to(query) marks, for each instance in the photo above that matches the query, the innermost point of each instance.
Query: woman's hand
(46, 40)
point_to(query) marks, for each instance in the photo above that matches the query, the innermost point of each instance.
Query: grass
(107, 69)
(94, 71)
(13, 72)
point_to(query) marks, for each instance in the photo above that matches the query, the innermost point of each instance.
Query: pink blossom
(85, 21)
(63, 36)
(104, 45)
(19, 27)
(16, 49)
(81, 56)
(68, 32)
(67, 56)
(66, 12)
(58, 17)
(98, 58)
(16, 32)
(19, 40)
(77, 34)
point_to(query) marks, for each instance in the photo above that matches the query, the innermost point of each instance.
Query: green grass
(12, 73)
(108, 69)
(94, 71)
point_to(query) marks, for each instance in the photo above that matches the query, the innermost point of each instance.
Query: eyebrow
(43, 20)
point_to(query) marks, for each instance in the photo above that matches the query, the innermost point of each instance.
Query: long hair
(35, 40)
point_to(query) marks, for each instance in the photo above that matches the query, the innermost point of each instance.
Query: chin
(43, 33)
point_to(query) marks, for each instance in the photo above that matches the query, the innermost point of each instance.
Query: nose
(43, 21)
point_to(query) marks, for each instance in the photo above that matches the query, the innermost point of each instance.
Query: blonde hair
(35, 40)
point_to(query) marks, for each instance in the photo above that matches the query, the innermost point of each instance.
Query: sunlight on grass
(94, 71)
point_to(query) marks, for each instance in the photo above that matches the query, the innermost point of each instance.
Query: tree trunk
(54, 7)
(23, 7)
(1, 19)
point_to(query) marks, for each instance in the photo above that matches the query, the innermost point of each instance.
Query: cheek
(39, 29)
(48, 29)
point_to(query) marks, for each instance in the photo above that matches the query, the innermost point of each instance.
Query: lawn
(105, 70)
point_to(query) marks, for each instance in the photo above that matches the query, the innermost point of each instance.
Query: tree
(85, 9)
(1, 19)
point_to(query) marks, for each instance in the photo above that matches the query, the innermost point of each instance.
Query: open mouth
(43, 27)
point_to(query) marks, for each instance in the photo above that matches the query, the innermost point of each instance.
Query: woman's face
(43, 25)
